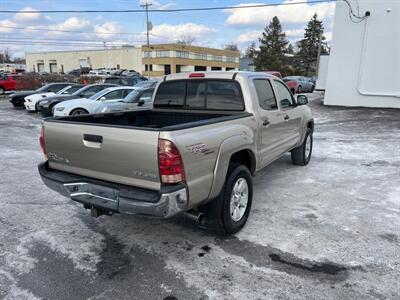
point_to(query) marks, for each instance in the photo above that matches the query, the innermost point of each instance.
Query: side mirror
(140, 102)
(302, 100)
(285, 103)
(103, 98)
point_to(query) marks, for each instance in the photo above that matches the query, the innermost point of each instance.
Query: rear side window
(265, 94)
(224, 95)
(200, 94)
(171, 94)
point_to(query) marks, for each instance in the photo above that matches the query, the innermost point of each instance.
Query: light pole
(146, 6)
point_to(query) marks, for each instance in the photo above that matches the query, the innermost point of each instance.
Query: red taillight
(170, 162)
(196, 75)
(42, 142)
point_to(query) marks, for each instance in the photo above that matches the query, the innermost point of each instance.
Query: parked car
(82, 106)
(195, 152)
(138, 99)
(299, 84)
(124, 80)
(18, 99)
(32, 101)
(46, 107)
(7, 83)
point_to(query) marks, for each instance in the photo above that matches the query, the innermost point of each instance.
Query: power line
(168, 10)
(71, 31)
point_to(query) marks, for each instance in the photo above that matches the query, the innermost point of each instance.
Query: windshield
(143, 84)
(60, 92)
(132, 96)
(43, 88)
(78, 92)
(99, 94)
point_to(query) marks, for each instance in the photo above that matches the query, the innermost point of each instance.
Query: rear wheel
(78, 111)
(236, 198)
(302, 154)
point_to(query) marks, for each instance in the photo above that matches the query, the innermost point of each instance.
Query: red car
(7, 83)
(275, 73)
(293, 86)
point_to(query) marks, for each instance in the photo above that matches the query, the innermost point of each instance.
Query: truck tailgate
(122, 155)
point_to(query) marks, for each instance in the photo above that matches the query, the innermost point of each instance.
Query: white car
(88, 105)
(31, 101)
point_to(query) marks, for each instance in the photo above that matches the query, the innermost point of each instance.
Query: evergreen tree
(251, 51)
(273, 47)
(306, 57)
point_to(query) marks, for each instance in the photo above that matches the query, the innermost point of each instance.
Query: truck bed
(153, 119)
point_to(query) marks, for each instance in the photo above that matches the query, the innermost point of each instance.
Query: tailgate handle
(93, 138)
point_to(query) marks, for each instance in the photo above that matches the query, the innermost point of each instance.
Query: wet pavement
(330, 230)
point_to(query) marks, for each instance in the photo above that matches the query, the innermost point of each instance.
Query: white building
(65, 61)
(364, 63)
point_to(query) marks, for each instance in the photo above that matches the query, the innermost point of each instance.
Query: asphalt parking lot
(330, 230)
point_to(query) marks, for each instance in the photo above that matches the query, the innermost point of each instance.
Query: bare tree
(186, 40)
(231, 46)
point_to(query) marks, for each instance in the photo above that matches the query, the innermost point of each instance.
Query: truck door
(269, 124)
(290, 114)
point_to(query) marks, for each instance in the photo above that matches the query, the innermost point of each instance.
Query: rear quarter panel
(206, 151)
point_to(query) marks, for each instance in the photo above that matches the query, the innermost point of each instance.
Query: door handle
(287, 117)
(92, 140)
(265, 123)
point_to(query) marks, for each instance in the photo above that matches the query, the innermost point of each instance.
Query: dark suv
(124, 80)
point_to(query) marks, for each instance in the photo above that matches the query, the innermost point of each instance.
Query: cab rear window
(200, 94)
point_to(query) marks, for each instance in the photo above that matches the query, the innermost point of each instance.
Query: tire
(51, 110)
(234, 215)
(36, 106)
(78, 111)
(1, 90)
(301, 155)
(299, 89)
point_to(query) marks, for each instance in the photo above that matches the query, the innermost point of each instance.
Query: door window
(118, 94)
(283, 94)
(265, 93)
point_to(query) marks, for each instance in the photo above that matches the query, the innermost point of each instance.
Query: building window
(230, 69)
(216, 68)
(148, 67)
(147, 54)
(162, 53)
(200, 68)
(217, 57)
(182, 54)
(230, 59)
(202, 56)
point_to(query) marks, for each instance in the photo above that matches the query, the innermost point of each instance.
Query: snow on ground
(329, 230)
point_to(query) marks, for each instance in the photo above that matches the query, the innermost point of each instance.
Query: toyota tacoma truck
(195, 151)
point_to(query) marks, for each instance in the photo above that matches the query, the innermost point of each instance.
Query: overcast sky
(209, 28)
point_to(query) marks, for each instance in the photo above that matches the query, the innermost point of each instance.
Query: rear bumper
(108, 196)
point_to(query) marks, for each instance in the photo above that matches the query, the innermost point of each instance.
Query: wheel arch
(240, 149)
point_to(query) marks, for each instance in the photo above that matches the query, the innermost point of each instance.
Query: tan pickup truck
(195, 151)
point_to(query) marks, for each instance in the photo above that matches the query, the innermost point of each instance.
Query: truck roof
(216, 75)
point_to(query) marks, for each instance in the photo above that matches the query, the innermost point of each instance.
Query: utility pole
(146, 6)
